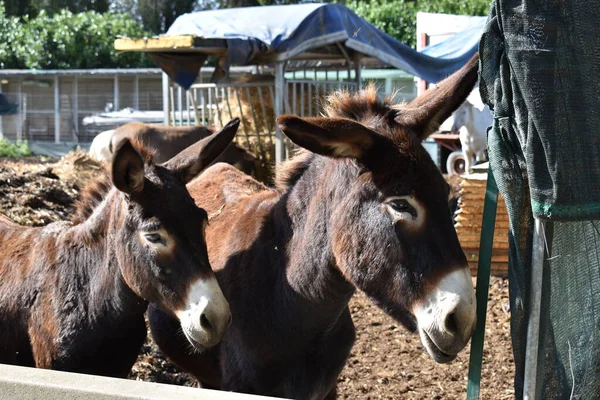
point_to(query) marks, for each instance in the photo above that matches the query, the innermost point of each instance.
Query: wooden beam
(157, 43)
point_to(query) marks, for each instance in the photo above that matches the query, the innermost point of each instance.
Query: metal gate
(253, 102)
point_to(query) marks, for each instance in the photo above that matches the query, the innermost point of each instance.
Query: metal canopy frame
(329, 50)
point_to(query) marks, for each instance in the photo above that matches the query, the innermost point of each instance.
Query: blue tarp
(254, 33)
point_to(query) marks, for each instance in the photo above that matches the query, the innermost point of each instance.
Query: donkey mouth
(434, 351)
(199, 346)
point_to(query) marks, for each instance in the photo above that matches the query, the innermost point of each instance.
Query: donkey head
(161, 252)
(390, 228)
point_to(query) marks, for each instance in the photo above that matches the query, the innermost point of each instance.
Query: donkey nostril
(205, 323)
(230, 320)
(450, 323)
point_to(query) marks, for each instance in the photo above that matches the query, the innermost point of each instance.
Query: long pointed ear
(332, 137)
(425, 114)
(127, 172)
(191, 161)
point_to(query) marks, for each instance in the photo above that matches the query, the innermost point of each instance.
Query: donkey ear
(425, 114)
(332, 137)
(127, 170)
(191, 161)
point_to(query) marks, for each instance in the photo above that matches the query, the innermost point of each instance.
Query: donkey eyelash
(153, 237)
(151, 227)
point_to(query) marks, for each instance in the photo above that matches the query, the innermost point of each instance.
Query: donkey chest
(288, 364)
(102, 346)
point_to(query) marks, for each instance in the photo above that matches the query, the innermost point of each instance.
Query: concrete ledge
(39, 384)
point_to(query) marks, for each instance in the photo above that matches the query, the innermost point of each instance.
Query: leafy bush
(11, 31)
(14, 150)
(66, 40)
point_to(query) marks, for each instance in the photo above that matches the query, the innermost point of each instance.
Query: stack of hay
(257, 113)
(468, 221)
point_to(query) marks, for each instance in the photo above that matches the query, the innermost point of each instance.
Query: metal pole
(22, 112)
(136, 92)
(116, 104)
(357, 70)
(279, 92)
(533, 324)
(180, 104)
(56, 111)
(165, 96)
(1, 119)
(75, 107)
(486, 243)
(187, 106)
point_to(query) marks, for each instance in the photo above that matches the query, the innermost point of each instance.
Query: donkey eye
(401, 205)
(153, 237)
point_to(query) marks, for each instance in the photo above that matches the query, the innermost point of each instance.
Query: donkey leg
(166, 333)
(332, 395)
(324, 364)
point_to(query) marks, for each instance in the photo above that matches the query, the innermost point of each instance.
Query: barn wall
(79, 96)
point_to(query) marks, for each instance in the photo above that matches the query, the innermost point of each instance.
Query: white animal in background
(99, 149)
(471, 121)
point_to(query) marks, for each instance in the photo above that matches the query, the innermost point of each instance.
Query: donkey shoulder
(6, 222)
(223, 184)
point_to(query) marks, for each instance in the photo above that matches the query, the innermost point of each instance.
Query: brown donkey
(73, 294)
(366, 208)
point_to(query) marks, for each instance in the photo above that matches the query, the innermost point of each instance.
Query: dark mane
(377, 113)
(292, 169)
(364, 106)
(91, 196)
(95, 191)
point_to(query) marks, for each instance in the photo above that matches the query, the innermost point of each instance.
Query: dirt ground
(386, 362)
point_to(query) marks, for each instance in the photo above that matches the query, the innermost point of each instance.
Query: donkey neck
(311, 272)
(97, 261)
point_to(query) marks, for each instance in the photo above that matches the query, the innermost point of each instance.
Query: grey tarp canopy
(316, 31)
(277, 35)
(540, 73)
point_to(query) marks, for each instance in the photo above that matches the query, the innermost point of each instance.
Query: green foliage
(66, 40)
(14, 150)
(398, 18)
(11, 31)
(158, 15)
(21, 8)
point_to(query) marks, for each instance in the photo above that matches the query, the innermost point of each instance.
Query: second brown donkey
(364, 208)
(73, 294)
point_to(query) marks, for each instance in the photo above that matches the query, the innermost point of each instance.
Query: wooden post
(56, 110)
